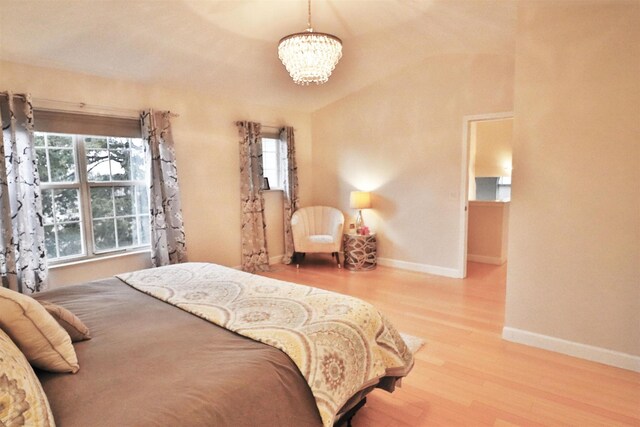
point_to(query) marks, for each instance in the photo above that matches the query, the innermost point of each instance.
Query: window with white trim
(271, 160)
(95, 194)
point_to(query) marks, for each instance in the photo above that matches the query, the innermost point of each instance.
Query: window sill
(99, 258)
(273, 190)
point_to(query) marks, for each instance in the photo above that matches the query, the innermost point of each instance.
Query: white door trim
(464, 184)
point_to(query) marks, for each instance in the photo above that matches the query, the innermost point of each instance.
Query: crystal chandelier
(310, 57)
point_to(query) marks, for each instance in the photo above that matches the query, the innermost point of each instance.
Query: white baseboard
(584, 351)
(486, 259)
(423, 268)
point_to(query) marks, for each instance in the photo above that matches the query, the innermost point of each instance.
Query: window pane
(60, 141)
(120, 164)
(95, 142)
(142, 199)
(69, 239)
(63, 165)
(273, 178)
(138, 165)
(504, 192)
(145, 229)
(50, 241)
(115, 143)
(124, 200)
(101, 202)
(116, 159)
(67, 205)
(47, 207)
(269, 161)
(137, 144)
(43, 169)
(98, 165)
(39, 139)
(268, 145)
(127, 231)
(104, 234)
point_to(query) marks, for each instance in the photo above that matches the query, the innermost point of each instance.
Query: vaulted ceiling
(228, 48)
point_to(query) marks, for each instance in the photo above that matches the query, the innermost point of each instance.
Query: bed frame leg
(348, 417)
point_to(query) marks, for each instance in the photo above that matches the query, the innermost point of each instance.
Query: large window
(94, 193)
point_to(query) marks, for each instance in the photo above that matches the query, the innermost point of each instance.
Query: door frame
(464, 184)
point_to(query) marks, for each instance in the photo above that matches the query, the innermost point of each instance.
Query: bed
(151, 363)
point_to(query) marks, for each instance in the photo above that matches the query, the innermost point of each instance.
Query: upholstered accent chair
(317, 229)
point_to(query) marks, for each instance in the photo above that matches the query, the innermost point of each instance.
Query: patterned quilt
(340, 344)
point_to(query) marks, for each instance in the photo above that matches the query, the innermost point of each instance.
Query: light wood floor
(466, 374)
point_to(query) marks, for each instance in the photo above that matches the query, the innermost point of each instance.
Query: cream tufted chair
(317, 229)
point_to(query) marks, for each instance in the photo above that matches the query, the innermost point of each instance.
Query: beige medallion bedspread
(340, 344)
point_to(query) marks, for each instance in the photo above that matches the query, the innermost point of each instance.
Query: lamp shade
(360, 200)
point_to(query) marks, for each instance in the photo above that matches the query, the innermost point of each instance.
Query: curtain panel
(23, 261)
(168, 245)
(254, 242)
(289, 176)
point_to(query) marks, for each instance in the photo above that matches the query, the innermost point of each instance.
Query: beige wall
(488, 232)
(574, 248)
(493, 147)
(401, 138)
(85, 271)
(206, 147)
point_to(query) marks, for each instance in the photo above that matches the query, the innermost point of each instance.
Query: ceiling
(229, 48)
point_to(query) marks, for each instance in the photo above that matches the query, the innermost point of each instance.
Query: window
(504, 188)
(95, 194)
(271, 160)
(493, 188)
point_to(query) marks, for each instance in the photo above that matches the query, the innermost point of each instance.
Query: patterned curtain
(254, 241)
(167, 228)
(289, 176)
(23, 261)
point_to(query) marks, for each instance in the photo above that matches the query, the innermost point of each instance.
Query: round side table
(360, 251)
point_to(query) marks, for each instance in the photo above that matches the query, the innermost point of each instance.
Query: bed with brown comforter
(150, 363)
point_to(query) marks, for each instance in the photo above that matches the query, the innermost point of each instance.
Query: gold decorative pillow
(77, 330)
(22, 400)
(41, 339)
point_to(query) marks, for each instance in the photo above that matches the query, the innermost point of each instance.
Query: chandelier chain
(309, 14)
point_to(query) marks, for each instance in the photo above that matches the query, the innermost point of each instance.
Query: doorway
(485, 188)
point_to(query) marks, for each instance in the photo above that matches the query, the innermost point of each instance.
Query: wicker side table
(360, 252)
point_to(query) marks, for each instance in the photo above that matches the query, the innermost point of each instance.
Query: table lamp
(360, 200)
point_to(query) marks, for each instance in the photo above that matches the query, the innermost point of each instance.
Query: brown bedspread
(151, 364)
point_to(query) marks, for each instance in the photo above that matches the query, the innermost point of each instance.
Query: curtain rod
(19, 95)
(54, 104)
(274, 127)
(267, 126)
(42, 103)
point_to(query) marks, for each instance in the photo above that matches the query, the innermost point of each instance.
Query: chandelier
(310, 57)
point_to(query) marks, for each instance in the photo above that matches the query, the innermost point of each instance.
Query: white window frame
(84, 185)
(274, 185)
(504, 182)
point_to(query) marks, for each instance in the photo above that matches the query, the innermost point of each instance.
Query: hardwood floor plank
(466, 375)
